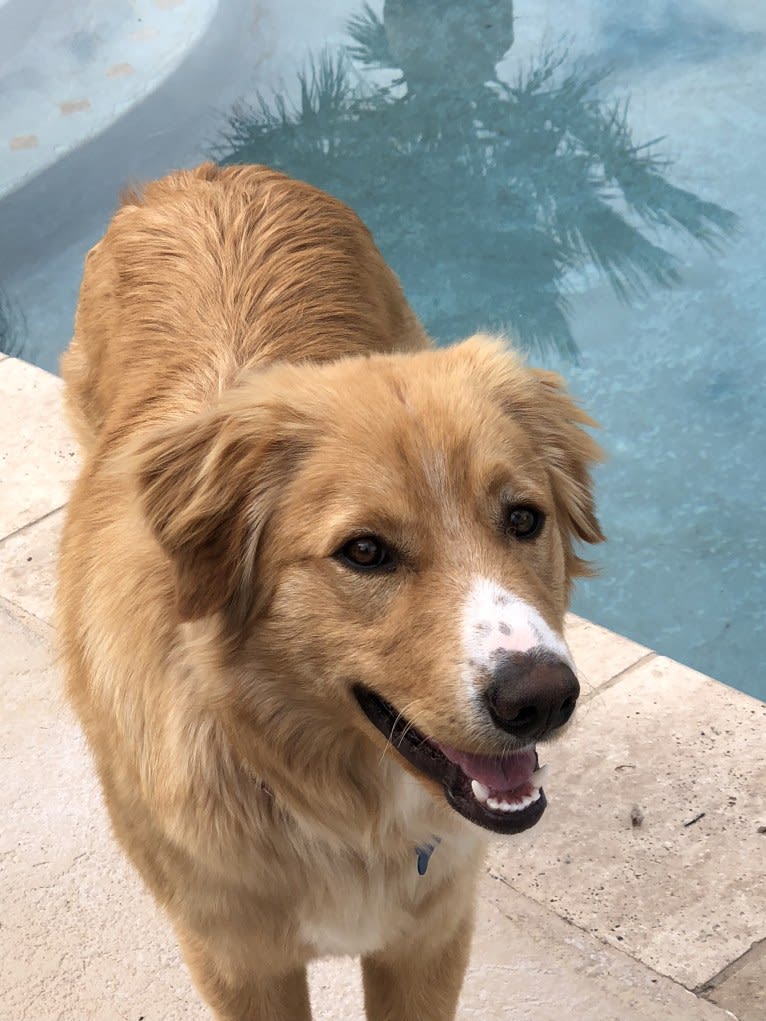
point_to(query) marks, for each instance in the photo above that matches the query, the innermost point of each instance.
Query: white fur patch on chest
(368, 908)
(359, 922)
(497, 621)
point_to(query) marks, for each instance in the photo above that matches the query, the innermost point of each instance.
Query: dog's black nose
(531, 693)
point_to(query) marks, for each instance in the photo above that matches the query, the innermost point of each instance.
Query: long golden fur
(252, 393)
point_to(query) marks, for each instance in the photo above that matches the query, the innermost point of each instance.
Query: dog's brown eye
(367, 553)
(523, 522)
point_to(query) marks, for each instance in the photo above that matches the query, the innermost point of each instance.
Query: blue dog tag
(424, 855)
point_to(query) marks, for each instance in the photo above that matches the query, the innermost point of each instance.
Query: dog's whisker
(404, 713)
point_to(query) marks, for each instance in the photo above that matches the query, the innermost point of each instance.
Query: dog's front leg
(245, 995)
(418, 981)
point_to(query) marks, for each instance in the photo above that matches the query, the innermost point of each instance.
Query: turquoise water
(584, 177)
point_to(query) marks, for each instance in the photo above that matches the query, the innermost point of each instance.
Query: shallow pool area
(584, 176)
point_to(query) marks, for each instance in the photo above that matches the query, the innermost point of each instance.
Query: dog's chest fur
(377, 899)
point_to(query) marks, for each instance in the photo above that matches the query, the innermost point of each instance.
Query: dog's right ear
(207, 488)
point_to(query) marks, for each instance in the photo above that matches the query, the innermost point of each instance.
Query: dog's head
(390, 542)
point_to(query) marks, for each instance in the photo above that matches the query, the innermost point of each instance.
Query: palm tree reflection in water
(484, 195)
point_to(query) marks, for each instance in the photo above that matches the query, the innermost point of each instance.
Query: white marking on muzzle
(497, 621)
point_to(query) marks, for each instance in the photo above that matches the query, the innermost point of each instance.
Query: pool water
(583, 176)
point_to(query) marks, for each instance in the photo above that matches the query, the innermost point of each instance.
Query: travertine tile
(28, 566)
(336, 990)
(80, 937)
(599, 654)
(527, 964)
(38, 458)
(685, 897)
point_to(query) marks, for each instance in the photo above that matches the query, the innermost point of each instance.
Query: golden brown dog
(312, 587)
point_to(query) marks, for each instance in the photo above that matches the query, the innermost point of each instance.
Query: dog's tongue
(500, 774)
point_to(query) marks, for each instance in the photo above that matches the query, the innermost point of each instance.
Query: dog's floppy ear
(570, 453)
(538, 400)
(207, 488)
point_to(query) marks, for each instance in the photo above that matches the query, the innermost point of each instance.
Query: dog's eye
(367, 553)
(523, 522)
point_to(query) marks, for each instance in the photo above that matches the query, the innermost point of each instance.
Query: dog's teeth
(539, 776)
(480, 792)
(530, 799)
(514, 806)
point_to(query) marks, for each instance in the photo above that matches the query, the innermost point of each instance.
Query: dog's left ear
(538, 400)
(207, 487)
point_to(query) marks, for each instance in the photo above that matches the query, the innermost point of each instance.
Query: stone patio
(639, 897)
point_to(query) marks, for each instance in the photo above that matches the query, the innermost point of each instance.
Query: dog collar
(424, 854)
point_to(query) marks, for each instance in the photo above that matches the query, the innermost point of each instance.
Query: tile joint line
(29, 619)
(621, 675)
(30, 524)
(755, 951)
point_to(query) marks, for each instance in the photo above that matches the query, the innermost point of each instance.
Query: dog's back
(278, 270)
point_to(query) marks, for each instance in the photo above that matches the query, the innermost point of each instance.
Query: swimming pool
(499, 154)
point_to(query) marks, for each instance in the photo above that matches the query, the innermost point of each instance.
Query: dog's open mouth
(503, 794)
